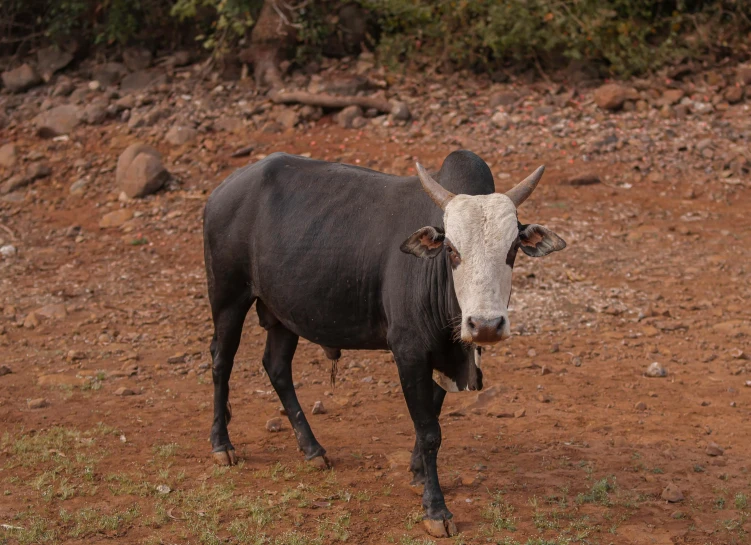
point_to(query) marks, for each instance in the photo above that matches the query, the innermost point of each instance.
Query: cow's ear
(426, 242)
(537, 241)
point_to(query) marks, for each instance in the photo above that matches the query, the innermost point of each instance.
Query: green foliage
(219, 23)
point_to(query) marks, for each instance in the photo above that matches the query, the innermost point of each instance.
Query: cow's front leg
(417, 384)
(416, 466)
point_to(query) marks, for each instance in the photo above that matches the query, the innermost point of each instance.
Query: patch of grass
(412, 518)
(719, 503)
(741, 501)
(499, 512)
(90, 521)
(121, 484)
(165, 451)
(241, 530)
(31, 531)
(599, 493)
(409, 540)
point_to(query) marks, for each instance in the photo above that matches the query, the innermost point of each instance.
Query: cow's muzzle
(488, 331)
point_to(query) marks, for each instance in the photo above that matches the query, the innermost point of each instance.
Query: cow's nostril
(501, 323)
(471, 323)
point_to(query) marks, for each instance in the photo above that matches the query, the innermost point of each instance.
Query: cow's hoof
(225, 457)
(440, 528)
(319, 462)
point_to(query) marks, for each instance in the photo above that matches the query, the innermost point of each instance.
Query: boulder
(347, 116)
(51, 59)
(95, 113)
(57, 121)
(21, 78)
(140, 171)
(399, 111)
(611, 96)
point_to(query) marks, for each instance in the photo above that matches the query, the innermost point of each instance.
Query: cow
(350, 258)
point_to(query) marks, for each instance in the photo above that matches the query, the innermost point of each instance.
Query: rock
(109, 74)
(8, 250)
(520, 413)
(143, 79)
(400, 111)
(501, 120)
(713, 449)
(39, 403)
(55, 311)
(123, 391)
(21, 78)
(542, 398)
(5, 370)
(14, 182)
(671, 96)
(346, 117)
(274, 424)
(230, 124)
(318, 408)
(51, 59)
(163, 489)
(640, 406)
(611, 96)
(288, 118)
(78, 187)
(734, 94)
(140, 171)
(61, 380)
(672, 493)
(37, 170)
(137, 58)
(95, 113)
(8, 155)
(744, 74)
(57, 121)
(582, 179)
(115, 218)
(656, 370)
(63, 87)
(146, 119)
(666, 112)
(179, 136)
(502, 99)
(31, 321)
(179, 357)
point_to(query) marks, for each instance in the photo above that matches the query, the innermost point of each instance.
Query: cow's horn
(524, 189)
(440, 195)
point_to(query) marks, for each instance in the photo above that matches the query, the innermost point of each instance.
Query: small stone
(399, 111)
(115, 218)
(179, 136)
(367, 380)
(177, 358)
(672, 96)
(37, 170)
(346, 117)
(713, 449)
(8, 250)
(57, 121)
(705, 403)
(39, 403)
(55, 311)
(611, 96)
(163, 489)
(8, 155)
(542, 398)
(582, 179)
(672, 493)
(140, 171)
(51, 59)
(95, 113)
(141, 80)
(520, 413)
(640, 406)
(734, 94)
(744, 74)
(738, 354)
(318, 408)
(5, 370)
(31, 321)
(501, 120)
(123, 391)
(656, 370)
(288, 118)
(502, 99)
(274, 424)
(21, 78)
(545, 370)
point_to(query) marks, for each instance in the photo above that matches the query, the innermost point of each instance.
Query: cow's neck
(446, 312)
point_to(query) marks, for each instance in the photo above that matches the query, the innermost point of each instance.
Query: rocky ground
(105, 388)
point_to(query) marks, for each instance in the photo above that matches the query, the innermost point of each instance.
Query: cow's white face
(481, 238)
(481, 233)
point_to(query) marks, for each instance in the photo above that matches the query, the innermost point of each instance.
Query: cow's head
(481, 239)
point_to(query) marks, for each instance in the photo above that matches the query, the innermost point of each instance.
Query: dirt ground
(569, 443)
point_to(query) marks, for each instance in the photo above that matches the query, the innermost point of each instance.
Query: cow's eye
(449, 249)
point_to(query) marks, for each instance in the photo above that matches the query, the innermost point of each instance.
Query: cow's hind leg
(277, 360)
(228, 325)
(416, 465)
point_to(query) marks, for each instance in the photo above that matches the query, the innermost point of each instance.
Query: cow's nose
(486, 331)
